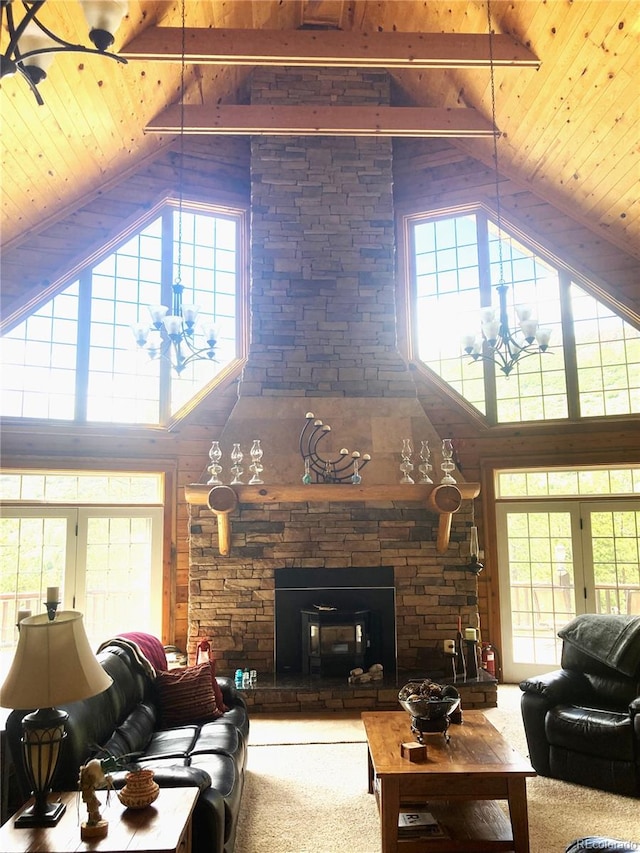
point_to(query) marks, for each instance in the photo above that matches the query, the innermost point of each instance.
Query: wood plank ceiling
(569, 130)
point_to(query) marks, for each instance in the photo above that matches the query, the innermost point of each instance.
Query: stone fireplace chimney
(323, 287)
(323, 339)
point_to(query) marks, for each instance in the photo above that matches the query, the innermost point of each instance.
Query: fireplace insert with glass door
(334, 641)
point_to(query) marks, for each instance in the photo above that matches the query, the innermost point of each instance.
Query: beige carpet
(306, 790)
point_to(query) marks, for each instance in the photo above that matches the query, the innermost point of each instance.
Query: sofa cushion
(220, 737)
(186, 696)
(169, 773)
(607, 734)
(177, 741)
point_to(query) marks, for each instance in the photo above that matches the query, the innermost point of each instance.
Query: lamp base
(43, 817)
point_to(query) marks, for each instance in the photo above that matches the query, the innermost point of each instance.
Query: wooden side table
(163, 827)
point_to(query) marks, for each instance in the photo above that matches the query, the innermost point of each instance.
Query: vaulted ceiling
(569, 128)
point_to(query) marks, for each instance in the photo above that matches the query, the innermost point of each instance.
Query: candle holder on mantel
(406, 466)
(347, 468)
(215, 468)
(425, 467)
(256, 466)
(236, 457)
(448, 465)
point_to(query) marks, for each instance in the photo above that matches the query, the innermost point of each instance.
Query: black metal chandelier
(172, 333)
(497, 343)
(32, 46)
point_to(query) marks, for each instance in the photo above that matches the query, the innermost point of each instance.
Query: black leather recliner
(582, 722)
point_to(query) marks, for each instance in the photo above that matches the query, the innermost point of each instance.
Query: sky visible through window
(451, 282)
(89, 324)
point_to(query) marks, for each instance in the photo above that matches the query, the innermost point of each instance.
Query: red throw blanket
(147, 648)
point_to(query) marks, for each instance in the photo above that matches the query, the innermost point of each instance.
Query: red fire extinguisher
(489, 659)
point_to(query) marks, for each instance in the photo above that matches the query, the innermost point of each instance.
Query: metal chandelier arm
(14, 59)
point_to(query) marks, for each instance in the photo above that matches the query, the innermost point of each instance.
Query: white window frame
(579, 509)
(73, 593)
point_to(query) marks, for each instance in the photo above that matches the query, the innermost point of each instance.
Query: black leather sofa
(582, 722)
(125, 719)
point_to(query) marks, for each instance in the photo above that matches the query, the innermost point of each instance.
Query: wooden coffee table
(457, 782)
(163, 827)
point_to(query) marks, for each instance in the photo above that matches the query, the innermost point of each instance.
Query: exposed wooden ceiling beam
(327, 48)
(321, 121)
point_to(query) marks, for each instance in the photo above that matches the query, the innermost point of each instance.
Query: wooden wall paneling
(616, 191)
(529, 131)
(563, 156)
(529, 23)
(596, 128)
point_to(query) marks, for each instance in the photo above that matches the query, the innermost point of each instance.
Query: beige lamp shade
(53, 664)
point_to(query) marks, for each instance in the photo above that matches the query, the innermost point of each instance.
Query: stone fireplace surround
(232, 599)
(323, 338)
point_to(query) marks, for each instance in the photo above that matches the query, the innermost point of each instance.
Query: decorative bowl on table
(430, 705)
(140, 790)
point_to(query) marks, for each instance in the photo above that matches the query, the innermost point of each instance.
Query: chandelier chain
(497, 343)
(183, 51)
(495, 141)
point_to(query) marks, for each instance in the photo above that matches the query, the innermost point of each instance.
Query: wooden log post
(222, 501)
(445, 500)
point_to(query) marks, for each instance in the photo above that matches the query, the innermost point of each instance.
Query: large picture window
(592, 367)
(75, 357)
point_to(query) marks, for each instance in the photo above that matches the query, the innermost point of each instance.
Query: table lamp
(53, 665)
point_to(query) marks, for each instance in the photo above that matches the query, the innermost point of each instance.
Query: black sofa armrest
(560, 687)
(539, 695)
(634, 707)
(229, 692)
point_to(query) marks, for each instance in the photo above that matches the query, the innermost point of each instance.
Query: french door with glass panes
(106, 561)
(557, 559)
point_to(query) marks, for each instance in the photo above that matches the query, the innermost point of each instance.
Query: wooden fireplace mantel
(223, 500)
